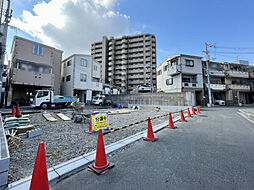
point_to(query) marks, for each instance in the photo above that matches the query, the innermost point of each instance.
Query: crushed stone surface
(65, 140)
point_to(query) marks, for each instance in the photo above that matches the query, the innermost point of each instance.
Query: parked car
(219, 102)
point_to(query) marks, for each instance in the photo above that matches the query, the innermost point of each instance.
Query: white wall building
(181, 73)
(80, 75)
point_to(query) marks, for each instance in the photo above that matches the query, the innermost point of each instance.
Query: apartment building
(127, 62)
(231, 82)
(181, 73)
(80, 77)
(33, 66)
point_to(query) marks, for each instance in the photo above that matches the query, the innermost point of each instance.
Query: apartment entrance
(199, 97)
(81, 95)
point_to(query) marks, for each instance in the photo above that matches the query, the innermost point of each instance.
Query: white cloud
(72, 25)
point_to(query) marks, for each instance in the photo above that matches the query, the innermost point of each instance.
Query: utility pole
(208, 74)
(7, 19)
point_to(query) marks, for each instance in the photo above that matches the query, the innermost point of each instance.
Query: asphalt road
(214, 150)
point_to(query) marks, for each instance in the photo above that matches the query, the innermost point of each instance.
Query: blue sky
(180, 26)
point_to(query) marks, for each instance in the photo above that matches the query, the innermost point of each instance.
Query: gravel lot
(65, 140)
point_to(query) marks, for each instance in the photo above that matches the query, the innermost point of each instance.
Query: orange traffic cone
(18, 113)
(182, 117)
(193, 111)
(101, 165)
(189, 114)
(91, 126)
(13, 111)
(170, 122)
(198, 109)
(150, 135)
(40, 175)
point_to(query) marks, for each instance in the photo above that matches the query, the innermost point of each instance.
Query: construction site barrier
(120, 128)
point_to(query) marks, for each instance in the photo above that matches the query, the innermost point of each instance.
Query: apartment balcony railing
(32, 78)
(173, 70)
(135, 66)
(239, 87)
(237, 74)
(216, 73)
(136, 76)
(191, 85)
(217, 86)
(135, 71)
(251, 74)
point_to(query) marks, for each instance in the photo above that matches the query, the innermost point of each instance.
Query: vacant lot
(65, 140)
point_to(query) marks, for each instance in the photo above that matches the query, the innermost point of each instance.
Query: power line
(237, 48)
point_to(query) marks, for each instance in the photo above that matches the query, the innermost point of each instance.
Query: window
(83, 62)
(169, 81)
(189, 63)
(68, 63)
(159, 72)
(165, 68)
(68, 78)
(95, 67)
(37, 50)
(83, 77)
(186, 79)
(42, 94)
(63, 79)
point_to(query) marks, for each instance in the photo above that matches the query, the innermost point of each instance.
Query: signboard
(100, 121)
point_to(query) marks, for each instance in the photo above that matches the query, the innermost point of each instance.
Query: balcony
(174, 70)
(219, 87)
(134, 66)
(217, 73)
(237, 74)
(251, 74)
(32, 78)
(136, 71)
(239, 87)
(97, 86)
(191, 85)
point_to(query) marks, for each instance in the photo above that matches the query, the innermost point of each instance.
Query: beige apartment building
(231, 82)
(33, 66)
(127, 62)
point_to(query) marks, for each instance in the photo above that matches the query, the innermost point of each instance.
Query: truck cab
(46, 99)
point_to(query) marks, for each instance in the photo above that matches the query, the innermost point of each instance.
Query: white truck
(101, 100)
(46, 99)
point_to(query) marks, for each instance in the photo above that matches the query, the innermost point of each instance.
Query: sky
(180, 26)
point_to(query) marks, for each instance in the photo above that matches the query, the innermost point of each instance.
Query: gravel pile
(65, 140)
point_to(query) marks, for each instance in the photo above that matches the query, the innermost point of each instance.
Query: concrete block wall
(172, 99)
(4, 156)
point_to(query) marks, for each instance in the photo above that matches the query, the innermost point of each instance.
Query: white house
(80, 75)
(181, 73)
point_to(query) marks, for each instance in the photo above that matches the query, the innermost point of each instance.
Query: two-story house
(80, 77)
(33, 66)
(229, 82)
(181, 73)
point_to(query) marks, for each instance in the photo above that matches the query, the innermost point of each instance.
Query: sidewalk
(211, 151)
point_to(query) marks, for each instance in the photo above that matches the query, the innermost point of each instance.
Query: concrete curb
(69, 167)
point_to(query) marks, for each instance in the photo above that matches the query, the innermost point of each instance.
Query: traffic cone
(189, 114)
(193, 111)
(170, 122)
(150, 135)
(40, 175)
(198, 109)
(101, 165)
(91, 126)
(182, 117)
(13, 111)
(18, 113)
